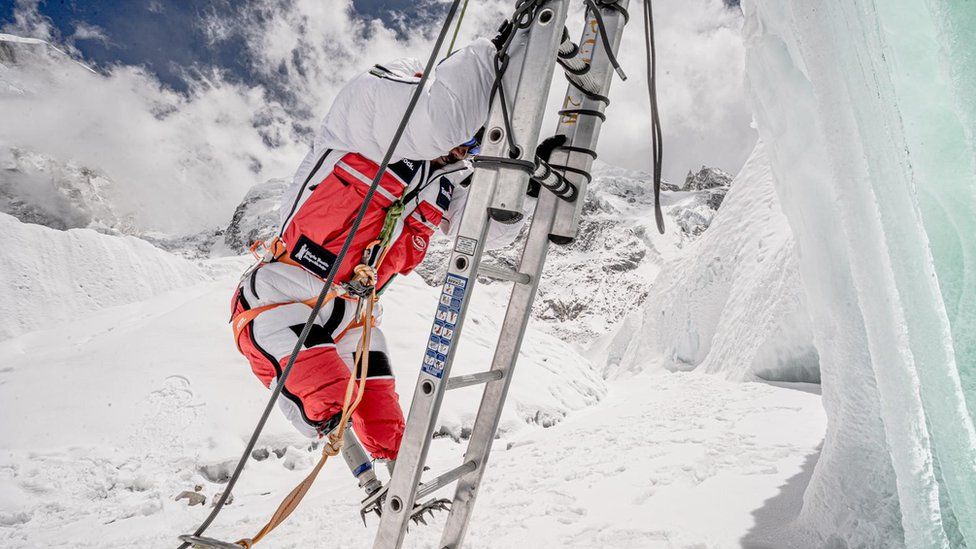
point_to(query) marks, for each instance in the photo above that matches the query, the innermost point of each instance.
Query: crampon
(374, 504)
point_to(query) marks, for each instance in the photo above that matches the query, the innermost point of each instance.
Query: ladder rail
(506, 353)
(584, 132)
(533, 53)
(495, 188)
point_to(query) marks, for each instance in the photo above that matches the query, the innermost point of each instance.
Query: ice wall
(863, 107)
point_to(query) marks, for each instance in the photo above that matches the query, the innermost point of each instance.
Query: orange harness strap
(242, 319)
(277, 252)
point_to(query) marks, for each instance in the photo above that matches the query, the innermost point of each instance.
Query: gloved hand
(504, 31)
(543, 152)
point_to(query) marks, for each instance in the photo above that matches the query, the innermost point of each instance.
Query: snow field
(49, 277)
(110, 417)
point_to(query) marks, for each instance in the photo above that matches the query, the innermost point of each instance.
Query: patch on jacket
(316, 259)
(419, 242)
(405, 169)
(445, 194)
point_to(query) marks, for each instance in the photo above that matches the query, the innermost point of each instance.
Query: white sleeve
(499, 234)
(453, 106)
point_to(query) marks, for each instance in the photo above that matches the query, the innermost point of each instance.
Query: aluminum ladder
(499, 191)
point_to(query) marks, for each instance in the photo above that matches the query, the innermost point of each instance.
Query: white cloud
(178, 164)
(312, 47)
(85, 31)
(181, 163)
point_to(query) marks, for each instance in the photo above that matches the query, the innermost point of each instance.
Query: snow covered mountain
(115, 151)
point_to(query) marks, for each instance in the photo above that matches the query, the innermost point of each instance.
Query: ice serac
(863, 108)
(732, 303)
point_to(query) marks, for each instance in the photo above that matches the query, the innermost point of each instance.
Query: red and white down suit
(326, 194)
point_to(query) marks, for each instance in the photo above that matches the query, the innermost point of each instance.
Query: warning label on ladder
(445, 324)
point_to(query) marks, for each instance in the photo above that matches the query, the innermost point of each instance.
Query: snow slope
(50, 277)
(112, 415)
(109, 417)
(155, 401)
(732, 303)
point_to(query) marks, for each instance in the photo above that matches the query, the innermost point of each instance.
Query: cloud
(84, 31)
(181, 162)
(308, 48)
(177, 163)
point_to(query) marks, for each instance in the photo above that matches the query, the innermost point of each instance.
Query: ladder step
(457, 382)
(502, 273)
(201, 541)
(443, 480)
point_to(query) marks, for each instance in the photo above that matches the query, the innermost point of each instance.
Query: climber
(428, 175)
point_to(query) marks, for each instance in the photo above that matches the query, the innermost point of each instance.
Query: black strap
(585, 112)
(502, 162)
(589, 95)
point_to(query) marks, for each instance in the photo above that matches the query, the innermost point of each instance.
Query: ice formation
(864, 108)
(732, 304)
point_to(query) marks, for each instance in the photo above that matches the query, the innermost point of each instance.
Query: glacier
(77, 273)
(732, 303)
(867, 112)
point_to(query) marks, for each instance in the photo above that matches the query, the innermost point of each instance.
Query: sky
(250, 80)
(167, 36)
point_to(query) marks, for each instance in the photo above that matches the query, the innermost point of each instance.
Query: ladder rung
(443, 480)
(457, 382)
(501, 273)
(200, 541)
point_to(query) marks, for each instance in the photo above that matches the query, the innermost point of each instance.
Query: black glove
(543, 152)
(504, 31)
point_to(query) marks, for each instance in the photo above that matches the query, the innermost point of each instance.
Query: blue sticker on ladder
(445, 325)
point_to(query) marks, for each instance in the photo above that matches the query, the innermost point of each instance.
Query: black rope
(571, 53)
(521, 19)
(329, 280)
(603, 32)
(588, 112)
(589, 95)
(657, 146)
(584, 150)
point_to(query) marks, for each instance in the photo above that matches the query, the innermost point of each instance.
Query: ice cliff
(732, 303)
(846, 249)
(867, 112)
